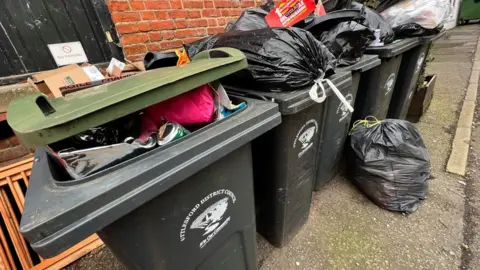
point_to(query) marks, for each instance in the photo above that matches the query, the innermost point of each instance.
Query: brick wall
(11, 151)
(146, 25)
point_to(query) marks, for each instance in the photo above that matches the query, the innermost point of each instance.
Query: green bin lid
(38, 120)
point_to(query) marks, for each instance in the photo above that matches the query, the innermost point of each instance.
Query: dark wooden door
(28, 26)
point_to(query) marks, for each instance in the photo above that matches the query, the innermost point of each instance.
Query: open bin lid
(57, 216)
(38, 120)
(393, 49)
(294, 101)
(366, 62)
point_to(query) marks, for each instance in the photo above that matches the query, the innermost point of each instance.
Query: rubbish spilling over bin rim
(395, 48)
(38, 121)
(57, 215)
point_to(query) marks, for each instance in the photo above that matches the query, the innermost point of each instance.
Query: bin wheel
(466, 21)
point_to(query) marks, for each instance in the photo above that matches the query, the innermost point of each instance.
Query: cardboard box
(49, 82)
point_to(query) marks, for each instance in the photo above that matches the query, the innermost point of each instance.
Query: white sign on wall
(68, 53)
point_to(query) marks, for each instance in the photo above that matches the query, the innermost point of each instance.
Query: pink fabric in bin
(193, 107)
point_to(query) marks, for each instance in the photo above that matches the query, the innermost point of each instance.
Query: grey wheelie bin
(376, 85)
(185, 205)
(285, 161)
(336, 122)
(413, 62)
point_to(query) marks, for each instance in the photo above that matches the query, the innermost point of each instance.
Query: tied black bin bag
(279, 59)
(374, 21)
(347, 41)
(389, 163)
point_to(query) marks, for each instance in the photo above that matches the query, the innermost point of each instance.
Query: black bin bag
(374, 20)
(347, 41)
(279, 59)
(251, 18)
(389, 162)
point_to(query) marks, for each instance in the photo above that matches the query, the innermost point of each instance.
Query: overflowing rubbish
(153, 60)
(428, 14)
(347, 41)
(384, 4)
(389, 163)
(251, 19)
(374, 21)
(279, 59)
(289, 12)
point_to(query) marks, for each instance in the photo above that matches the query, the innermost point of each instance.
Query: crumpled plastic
(384, 4)
(429, 14)
(194, 107)
(415, 30)
(279, 59)
(375, 21)
(251, 19)
(390, 163)
(332, 5)
(347, 41)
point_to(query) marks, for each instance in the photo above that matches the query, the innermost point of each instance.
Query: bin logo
(418, 66)
(342, 110)
(305, 136)
(212, 220)
(389, 84)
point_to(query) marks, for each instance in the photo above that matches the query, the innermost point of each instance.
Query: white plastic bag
(429, 14)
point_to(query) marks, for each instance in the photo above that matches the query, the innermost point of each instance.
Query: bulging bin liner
(279, 59)
(390, 163)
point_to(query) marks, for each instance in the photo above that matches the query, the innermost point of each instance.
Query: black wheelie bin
(285, 160)
(185, 205)
(413, 62)
(336, 123)
(376, 85)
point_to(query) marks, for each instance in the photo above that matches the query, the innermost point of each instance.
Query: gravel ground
(347, 231)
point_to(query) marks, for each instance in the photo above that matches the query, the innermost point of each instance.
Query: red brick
(177, 4)
(134, 39)
(192, 4)
(212, 22)
(135, 49)
(190, 40)
(208, 4)
(162, 25)
(4, 144)
(194, 14)
(236, 12)
(236, 4)
(184, 33)
(143, 26)
(126, 28)
(155, 36)
(210, 13)
(248, 3)
(148, 15)
(157, 5)
(181, 24)
(161, 15)
(13, 141)
(171, 44)
(13, 153)
(168, 35)
(137, 6)
(118, 6)
(224, 12)
(178, 14)
(197, 23)
(215, 30)
(222, 21)
(126, 17)
(154, 47)
(222, 3)
(135, 58)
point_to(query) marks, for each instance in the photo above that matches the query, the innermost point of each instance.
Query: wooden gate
(15, 253)
(28, 26)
